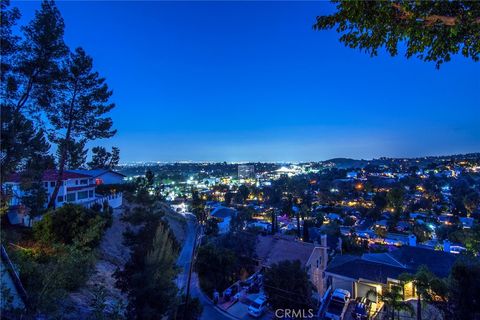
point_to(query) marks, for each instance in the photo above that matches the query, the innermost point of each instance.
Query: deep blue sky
(252, 81)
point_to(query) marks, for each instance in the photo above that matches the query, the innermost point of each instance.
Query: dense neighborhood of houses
(355, 230)
(354, 233)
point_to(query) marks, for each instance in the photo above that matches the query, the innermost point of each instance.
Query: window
(52, 184)
(45, 184)
(90, 193)
(76, 182)
(84, 181)
(60, 199)
(71, 197)
(82, 195)
(98, 181)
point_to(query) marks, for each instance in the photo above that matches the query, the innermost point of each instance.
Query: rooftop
(380, 266)
(273, 249)
(49, 175)
(96, 172)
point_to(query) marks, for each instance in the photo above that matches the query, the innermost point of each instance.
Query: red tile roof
(49, 175)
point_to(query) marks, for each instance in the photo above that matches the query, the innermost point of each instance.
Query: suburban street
(209, 310)
(184, 259)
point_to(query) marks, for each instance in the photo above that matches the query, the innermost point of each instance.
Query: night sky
(229, 81)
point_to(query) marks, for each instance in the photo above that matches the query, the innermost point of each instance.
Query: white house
(75, 187)
(103, 176)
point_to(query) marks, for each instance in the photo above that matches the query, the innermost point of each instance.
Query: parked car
(362, 309)
(257, 307)
(338, 304)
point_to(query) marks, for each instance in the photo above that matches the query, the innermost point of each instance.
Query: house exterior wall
(77, 190)
(114, 200)
(362, 287)
(315, 269)
(338, 282)
(110, 178)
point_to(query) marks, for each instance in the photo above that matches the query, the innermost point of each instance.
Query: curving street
(210, 312)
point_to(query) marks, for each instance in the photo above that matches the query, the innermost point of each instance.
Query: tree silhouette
(393, 300)
(430, 30)
(81, 112)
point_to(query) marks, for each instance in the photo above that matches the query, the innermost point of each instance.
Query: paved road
(210, 312)
(184, 259)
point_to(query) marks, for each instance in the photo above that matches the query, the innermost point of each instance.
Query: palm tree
(422, 280)
(393, 300)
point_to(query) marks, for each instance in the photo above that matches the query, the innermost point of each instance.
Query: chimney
(412, 240)
(446, 245)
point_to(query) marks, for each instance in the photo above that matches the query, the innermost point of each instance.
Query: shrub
(71, 224)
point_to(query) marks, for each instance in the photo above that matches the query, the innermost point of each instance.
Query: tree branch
(431, 19)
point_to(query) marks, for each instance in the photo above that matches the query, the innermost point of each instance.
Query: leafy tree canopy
(287, 285)
(430, 30)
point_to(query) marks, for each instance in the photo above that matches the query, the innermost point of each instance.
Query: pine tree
(115, 158)
(150, 176)
(29, 74)
(76, 154)
(102, 159)
(39, 62)
(81, 112)
(26, 149)
(8, 48)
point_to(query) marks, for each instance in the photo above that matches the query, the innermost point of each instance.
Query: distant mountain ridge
(346, 163)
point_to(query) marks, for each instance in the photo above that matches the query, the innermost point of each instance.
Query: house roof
(223, 212)
(380, 266)
(384, 258)
(96, 172)
(315, 234)
(368, 270)
(273, 249)
(439, 262)
(48, 175)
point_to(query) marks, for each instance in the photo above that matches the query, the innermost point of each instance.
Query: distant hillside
(345, 163)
